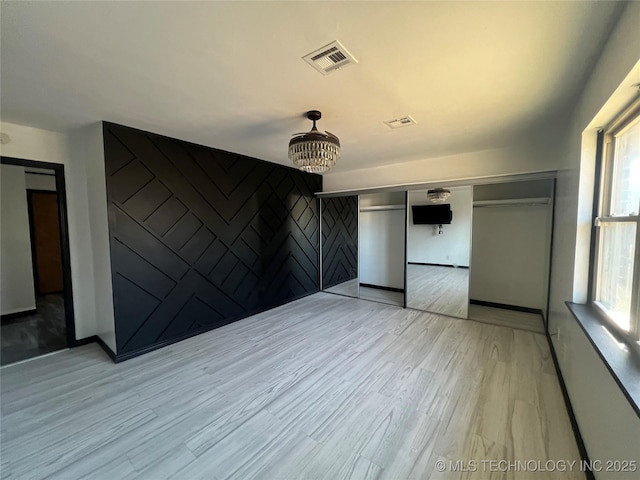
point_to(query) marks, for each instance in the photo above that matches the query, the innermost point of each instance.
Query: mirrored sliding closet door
(439, 251)
(340, 245)
(382, 243)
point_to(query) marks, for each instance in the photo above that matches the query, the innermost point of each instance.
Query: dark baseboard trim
(85, 341)
(95, 339)
(438, 265)
(572, 418)
(106, 349)
(9, 317)
(117, 358)
(506, 306)
(379, 287)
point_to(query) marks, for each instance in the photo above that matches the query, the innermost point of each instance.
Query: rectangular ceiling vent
(401, 122)
(330, 58)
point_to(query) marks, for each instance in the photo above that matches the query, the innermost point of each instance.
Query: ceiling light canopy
(314, 151)
(438, 195)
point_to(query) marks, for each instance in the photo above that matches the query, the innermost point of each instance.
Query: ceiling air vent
(401, 122)
(330, 58)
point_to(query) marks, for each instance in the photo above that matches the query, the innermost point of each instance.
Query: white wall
(381, 242)
(513, 190)
(609, 426)
(510, 256)
(382, 198)
(453, 247)
(381, 249)
(40, 182)
(34, 144)
(87, 147)
(54, 147)
(16, 267)
(525, 157)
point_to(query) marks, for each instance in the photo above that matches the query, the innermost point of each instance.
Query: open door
(45, 237)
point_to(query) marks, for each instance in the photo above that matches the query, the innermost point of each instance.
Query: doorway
(37, 304)
(45, 240)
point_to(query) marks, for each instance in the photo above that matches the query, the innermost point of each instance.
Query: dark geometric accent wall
(201, 238)
(339, 240)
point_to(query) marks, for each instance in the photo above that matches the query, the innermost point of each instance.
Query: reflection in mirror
(340, 245)
(438, 252)
(511, 248)
(382, 244)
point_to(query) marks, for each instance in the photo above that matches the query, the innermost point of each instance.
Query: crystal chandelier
(314, 151)
(438, 195)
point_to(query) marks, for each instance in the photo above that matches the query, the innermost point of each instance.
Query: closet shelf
(513, 202)
(380, 208)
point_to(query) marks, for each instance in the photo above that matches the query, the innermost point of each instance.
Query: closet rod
(519, 202)
(382, 208)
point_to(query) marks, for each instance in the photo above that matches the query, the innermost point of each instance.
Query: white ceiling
(474, 75)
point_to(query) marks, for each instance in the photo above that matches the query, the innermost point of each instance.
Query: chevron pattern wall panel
(339, 240)
(200, 237)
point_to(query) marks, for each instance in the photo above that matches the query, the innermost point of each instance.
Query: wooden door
(45, 239)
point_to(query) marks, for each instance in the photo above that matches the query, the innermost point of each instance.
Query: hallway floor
(34, 335)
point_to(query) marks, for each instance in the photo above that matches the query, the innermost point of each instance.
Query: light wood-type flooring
(352, 288)
(438, 289)
(327, 387)
(382, 296)
(348, 288)
(507, 318)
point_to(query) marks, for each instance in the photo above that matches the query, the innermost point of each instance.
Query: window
(616, 283)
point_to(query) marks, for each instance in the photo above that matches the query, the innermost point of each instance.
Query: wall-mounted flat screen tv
(432, 214)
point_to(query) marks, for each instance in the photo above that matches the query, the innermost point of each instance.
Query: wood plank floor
(352, 288)
(507, 318)
(382, 296)
(437, 289)
(327, 387)
(348, 288)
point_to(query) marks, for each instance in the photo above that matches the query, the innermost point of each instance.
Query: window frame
(629, 118)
